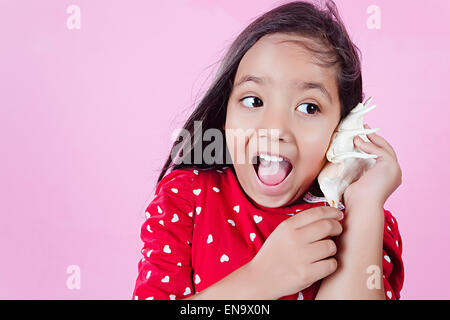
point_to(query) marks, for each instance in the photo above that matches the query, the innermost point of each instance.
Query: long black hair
(334, 48)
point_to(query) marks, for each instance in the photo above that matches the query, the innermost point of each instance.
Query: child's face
(303, 132)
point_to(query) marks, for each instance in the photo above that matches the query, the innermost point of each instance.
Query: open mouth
(271, 170)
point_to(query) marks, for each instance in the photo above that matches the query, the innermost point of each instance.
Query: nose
(275, 125)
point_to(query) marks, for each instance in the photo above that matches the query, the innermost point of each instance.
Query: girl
(261, 228)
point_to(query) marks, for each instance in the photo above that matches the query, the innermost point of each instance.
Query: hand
(295, 254)
(380, 181)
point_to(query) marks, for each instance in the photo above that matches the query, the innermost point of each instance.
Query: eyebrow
(302, 85)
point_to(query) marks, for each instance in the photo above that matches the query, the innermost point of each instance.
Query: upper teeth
(270, 158)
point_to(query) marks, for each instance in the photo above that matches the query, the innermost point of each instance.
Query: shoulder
(205, 176)
(391, 223)
(190, 179)
(391, 230)
(217, 181)
(183, 174)
(393, 267)
(389, 217)
(177, 181)
(392, 242)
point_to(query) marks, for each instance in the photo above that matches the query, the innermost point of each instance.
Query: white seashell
(346, 161)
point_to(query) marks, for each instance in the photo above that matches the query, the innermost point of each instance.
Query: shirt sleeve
(165, 270)
(393, 269)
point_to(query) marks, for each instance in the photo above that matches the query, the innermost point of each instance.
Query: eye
(309, 108)
(255, 99)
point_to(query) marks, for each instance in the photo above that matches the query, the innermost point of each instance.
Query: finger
(377, 139)
(321, 249)
(380, 141)
(369, 147)
(323, 268)
(311, 215)
(319, 230)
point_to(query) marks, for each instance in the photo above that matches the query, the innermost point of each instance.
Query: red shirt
(200, 227)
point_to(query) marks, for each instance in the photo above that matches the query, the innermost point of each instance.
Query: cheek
(235, 137)
(238, 128)
(239, 144)
(232, 118)
(313, 146)
(236, 118)
(230, 141)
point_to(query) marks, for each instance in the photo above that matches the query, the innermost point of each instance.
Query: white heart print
(165, 279)
(197, 279)
(197, 191)
(159, 209)
(216, 189)
(174, 190)
(198, 210)
(175, 218)
(236, 208)
(389, 294)
(231, 222)
(257, 218)
(252, 236)
(187, 291)
(224, 257)
(167, 249)
(210, 239)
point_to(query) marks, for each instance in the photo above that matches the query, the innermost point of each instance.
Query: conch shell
(347, 162)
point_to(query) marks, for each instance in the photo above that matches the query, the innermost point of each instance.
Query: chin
(272, 201)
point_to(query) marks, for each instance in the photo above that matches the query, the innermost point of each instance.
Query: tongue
(272, 172)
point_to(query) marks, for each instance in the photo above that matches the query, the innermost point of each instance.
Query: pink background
(87, 116)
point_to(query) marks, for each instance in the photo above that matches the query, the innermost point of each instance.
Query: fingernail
(341, 215)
